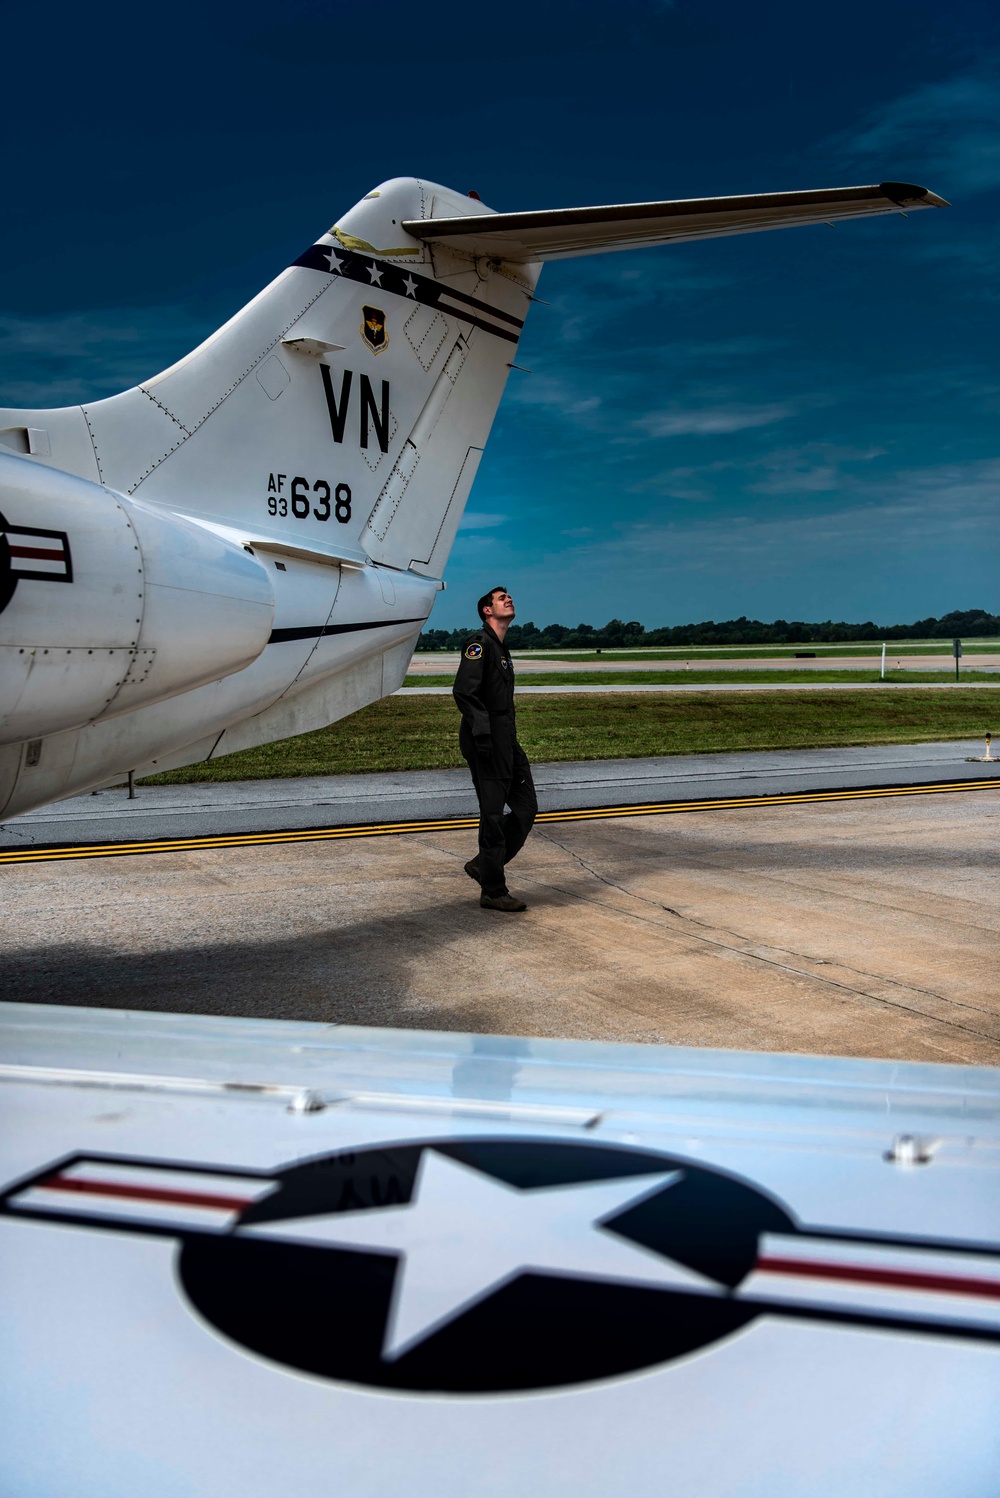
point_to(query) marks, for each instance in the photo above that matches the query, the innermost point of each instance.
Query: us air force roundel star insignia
(30, 554)
(373, 329)
(472, 1266)
(473, 652)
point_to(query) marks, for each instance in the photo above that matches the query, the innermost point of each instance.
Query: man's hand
(484, 747)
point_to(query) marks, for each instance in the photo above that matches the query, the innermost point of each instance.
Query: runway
(978, 659)
(237, 809)
(860, 927)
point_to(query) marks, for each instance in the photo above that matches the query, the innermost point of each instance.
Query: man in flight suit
(484, 692)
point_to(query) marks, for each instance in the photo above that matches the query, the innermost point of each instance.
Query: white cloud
(481, 522)
(70, 357)
(598, 400)
(952, 127)
(710, 420)
(615, 298)
(815, 468)
(886, 544)
(555, 393)
(891, 516)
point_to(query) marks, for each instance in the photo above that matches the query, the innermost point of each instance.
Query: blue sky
(796, 425)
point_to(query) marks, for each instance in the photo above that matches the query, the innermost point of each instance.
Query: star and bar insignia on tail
(31, 555)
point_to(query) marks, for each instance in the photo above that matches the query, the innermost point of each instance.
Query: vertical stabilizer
(344, 409)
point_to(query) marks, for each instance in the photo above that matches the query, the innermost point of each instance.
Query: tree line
(616, 635)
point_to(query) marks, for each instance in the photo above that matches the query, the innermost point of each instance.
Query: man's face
(502, 607)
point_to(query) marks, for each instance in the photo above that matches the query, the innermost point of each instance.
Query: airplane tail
(343, 412)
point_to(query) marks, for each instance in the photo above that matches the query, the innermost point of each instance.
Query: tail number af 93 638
(301, 499)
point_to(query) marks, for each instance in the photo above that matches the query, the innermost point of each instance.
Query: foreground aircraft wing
(560, 233)
(259, 1257)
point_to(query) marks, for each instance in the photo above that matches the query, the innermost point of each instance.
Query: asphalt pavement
(237, 807)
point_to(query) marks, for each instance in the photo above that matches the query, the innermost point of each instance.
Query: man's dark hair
(486, 601)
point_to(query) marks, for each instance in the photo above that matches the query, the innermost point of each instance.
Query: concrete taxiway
(861, 927)
(232, 808)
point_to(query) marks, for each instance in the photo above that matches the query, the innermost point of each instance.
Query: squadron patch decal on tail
(373, 329)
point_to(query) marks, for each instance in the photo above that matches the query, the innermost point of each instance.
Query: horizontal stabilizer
(559, 233)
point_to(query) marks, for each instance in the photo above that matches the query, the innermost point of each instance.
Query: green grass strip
(421, 733)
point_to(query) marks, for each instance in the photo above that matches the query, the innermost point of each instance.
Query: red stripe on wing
(147, 1194)
(900, 1279)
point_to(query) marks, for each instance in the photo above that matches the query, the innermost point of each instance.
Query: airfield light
(981, 758)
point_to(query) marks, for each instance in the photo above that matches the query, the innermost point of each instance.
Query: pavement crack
(805, 966)
(548, 838)
(737, 936)
(703, 861)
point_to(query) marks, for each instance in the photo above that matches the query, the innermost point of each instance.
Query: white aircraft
(257, 1257)
(243, 1256)
(246, 546)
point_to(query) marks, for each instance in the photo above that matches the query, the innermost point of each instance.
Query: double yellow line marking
(455, 824)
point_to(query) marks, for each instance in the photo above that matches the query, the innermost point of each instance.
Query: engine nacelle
(108, 603)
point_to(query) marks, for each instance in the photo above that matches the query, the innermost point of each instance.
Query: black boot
(501, 902)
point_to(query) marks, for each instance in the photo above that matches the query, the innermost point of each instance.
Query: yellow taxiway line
(454, 824)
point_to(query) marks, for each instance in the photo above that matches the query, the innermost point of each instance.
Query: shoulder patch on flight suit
(473, 652)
